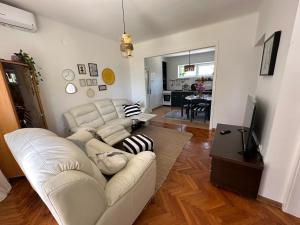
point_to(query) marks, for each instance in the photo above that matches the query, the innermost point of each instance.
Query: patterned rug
(166, 151)
(176, 115)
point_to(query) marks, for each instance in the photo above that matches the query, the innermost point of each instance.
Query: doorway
(180, 87)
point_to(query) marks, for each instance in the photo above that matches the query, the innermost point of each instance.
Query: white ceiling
(145, 19)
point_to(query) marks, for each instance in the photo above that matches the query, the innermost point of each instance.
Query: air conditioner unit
(17, 18)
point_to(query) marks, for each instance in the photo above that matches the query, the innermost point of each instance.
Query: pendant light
(126, 45)
(189, 67)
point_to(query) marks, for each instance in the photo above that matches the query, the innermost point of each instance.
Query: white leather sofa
(71, 185)
(98, 114)
(105, 116)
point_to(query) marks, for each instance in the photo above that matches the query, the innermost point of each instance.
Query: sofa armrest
(127, 178)
(74, 198)
(72, 125)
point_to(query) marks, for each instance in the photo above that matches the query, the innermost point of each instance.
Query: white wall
(288, 132)
(237, 62)
(56, 47)
(174, 62)
(154, 66)
(276, 140)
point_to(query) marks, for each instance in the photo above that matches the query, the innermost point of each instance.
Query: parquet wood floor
(186, 197)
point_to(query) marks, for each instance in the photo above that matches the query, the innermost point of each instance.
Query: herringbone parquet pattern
(186, 197)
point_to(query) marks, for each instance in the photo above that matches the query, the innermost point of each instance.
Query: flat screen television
(248, 135)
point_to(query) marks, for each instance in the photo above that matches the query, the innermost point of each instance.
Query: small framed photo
(269, 56)
(102, 87)
(89, 82)
(94, 82)
(93, 69)
(82, 82)
(81, 69)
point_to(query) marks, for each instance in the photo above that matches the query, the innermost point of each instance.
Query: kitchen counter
(178, 95)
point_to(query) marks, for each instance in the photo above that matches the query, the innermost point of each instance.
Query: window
(201, 69)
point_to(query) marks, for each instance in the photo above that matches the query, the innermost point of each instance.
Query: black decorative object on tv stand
(231, 170)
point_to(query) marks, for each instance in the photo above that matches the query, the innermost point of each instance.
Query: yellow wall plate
(108, 76)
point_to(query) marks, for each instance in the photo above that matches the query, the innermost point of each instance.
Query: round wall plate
(108, 76)
(90, 93)
(68, 74)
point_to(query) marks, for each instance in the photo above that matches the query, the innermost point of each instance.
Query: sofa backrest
(41, 155)
(118, 103)
(106, 109)
(84, 116)
(96, 114)
(56, 168)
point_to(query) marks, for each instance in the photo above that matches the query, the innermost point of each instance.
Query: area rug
(176, 115)
(168, 144)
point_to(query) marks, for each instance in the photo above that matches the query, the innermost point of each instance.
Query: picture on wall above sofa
(81, 69)
(93, 69)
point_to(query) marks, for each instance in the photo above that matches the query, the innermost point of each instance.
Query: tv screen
(249, 123)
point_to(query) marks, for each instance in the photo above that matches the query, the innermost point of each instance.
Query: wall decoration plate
(71, 88)
(90, 93)
(68, 74)
(108, 76)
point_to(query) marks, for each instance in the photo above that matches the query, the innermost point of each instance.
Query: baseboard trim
(269, 202)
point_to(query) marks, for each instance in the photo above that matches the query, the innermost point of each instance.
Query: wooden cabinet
(232, 170)
(20, 107)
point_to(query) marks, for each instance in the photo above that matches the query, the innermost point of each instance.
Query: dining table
(192, 100)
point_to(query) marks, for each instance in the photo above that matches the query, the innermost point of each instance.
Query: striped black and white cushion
(132, 110)
(138, 143)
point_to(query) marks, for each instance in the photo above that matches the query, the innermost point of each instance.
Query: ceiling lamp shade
(189, 67)
(126, 45)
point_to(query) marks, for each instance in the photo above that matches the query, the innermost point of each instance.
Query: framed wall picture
(89, 82)
(269, 56)
(82, 82)
(93, 69)
(102, 87)
(94, 82)
(81, 69)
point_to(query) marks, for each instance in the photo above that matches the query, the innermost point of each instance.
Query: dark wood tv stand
(230, 169)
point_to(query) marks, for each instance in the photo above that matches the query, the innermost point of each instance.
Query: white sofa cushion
(125, 122)
(95, 146)
(113, 134)
(106, 109)
(80, 138)
(87, 116)
(123, 181)
(110, 163)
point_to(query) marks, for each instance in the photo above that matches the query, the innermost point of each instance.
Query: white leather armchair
(72, 186)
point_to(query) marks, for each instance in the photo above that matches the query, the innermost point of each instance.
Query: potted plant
(28, 60)
(200, 86)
